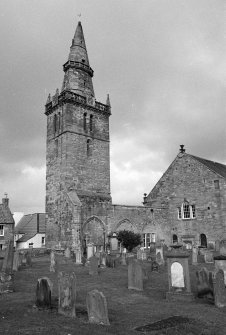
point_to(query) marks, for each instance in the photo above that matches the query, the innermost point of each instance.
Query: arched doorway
(94, 234)
(175, 238)
(203, 240)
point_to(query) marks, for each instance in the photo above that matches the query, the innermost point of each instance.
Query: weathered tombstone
(220, 263)
(139, 254)
(159, 258)
(97, 308)
(103, 259)
(114, 243)
(78, 256)
(67, 253)
(208, 257)
(219, 288)
(217, 245)
(178, 276)
(43, 293)
(16, 261)
(223, 247)
(67, 294)
(93, 265)
(53, 262)
(110, 261)
(8, 259)
(194, 255)
(135, 276)
(123, 259)
(89, 250)
(204, 283)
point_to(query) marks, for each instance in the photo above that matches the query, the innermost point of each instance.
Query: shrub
(129, 239)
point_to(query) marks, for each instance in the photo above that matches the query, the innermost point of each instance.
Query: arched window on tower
(84, 121)
(91, 122)
(55, 123)
(88, 147)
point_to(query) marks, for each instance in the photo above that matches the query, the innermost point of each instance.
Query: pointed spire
(78, 73)
(48, 99)
(108, 101)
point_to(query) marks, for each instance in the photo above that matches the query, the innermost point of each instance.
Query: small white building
(30, 231)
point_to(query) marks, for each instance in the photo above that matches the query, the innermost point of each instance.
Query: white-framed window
(147, 239)
(186, 211)
(1, 230)
(30, 245)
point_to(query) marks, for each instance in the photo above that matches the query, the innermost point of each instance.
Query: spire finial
(108, 101)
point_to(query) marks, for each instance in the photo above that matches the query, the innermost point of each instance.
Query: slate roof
(5, 214)
(28, 226)
(218, 168)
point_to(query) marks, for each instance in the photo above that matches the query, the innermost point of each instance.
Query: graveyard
(134, 294)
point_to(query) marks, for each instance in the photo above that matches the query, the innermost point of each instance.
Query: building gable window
(147, 239)
(186, 211)
(216, 184)
(1, 230)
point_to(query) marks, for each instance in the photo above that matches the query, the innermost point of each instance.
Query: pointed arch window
(55, 123)
(88, 147)
(91, 122)
(84, 121)
(186, 211)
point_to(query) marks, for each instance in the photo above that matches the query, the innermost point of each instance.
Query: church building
(188, 201)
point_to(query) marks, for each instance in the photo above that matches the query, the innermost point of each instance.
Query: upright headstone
(43, 292)
(223, 247)
(103, 259)
(204, 283)
(16, 261)
(93, 265)
(114, 243)
(135, 276)
(7, 266)
(67, 253)
(78, 256)
(178, 276)
(217, 245)
(208, 256)
(67, 294)
(219, 288)
(97, 308)
(89, 250)
(159, 255)
(53, 262)
(220, 263)
(123, 259)
(194, 255)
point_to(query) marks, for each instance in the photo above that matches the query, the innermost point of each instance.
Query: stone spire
(78, 73)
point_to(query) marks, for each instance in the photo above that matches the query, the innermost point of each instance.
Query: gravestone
(78, 256)
(67, 294)
(93, 265)
(53, 262)
(123, 259)
(208, 257)
(159, 259)
(89, 250)
(222, 247)
(114, 243)
(178, 276)
(67, 253)
(220, 263)
(194, 255)
(43, 293)
(204, 283)
(135, 276)
(28, 258)
(97, 308)
(219, 288)
(103, 257)
(16, 261)
(8, 259)
(217, 245)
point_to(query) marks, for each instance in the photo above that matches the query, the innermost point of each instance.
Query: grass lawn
(127, 309)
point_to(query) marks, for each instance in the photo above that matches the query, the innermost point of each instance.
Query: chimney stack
(5, 201)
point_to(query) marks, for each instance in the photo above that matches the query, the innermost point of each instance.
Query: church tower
(77, 156)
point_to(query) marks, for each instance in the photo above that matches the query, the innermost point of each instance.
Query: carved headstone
(219, 288)
(53, 262)
(97, 308)
(43, 293)
(204, 283)
(93, 265)
(135, 276)
(16, 261)
(67, 294)
(177, 276)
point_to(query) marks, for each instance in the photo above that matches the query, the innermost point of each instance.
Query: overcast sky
(163, 62)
